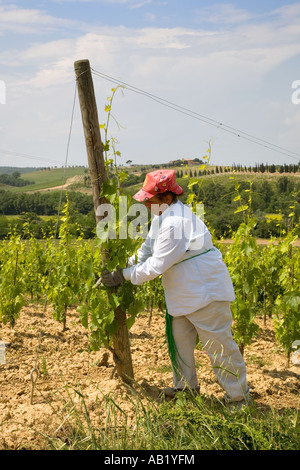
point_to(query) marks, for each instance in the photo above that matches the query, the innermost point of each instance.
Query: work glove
(111, 279)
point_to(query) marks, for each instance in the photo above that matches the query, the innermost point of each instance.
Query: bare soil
(65, 364)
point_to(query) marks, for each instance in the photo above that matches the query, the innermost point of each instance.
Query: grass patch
(163, 369)
(187, 423)
(201, 424)
(47, 178)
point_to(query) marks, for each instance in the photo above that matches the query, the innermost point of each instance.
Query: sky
(229, 72)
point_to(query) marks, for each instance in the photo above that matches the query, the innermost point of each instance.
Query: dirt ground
(65, 364)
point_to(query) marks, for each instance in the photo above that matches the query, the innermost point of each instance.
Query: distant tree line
(14, 179)
(267, 168)
(194, 173)
(31, 207)
(269, 197)
(271, 202)
(134, 179)
(42, 203)
(256, 168)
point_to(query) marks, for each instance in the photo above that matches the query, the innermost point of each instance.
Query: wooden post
(91, 129)
(89, 114)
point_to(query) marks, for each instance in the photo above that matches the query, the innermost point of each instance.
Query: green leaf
(136, 307)
(241, 209)
(192, 182)
(112, 328)
(83, 315)
(114, 301)
(130, 321)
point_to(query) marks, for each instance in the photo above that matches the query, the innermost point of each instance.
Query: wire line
(32, 157)
(200, 117)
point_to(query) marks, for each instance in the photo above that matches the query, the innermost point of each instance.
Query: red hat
(158, 182)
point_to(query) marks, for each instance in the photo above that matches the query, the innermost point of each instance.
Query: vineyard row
(64, 271)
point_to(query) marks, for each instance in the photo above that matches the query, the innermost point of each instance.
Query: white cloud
(25, 20)
(162, 38)
(287, 13)
(48, 50)
(217, 72)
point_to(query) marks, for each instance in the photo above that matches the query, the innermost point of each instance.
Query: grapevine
(98, 306)
(11, 280)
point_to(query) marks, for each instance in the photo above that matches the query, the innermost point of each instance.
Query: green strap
(173, 352)
(195, 256)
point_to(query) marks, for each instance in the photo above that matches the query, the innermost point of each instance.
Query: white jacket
(175, 236)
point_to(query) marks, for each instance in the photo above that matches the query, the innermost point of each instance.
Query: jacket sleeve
(169, 248)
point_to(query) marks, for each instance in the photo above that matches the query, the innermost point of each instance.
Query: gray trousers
(213, 326)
